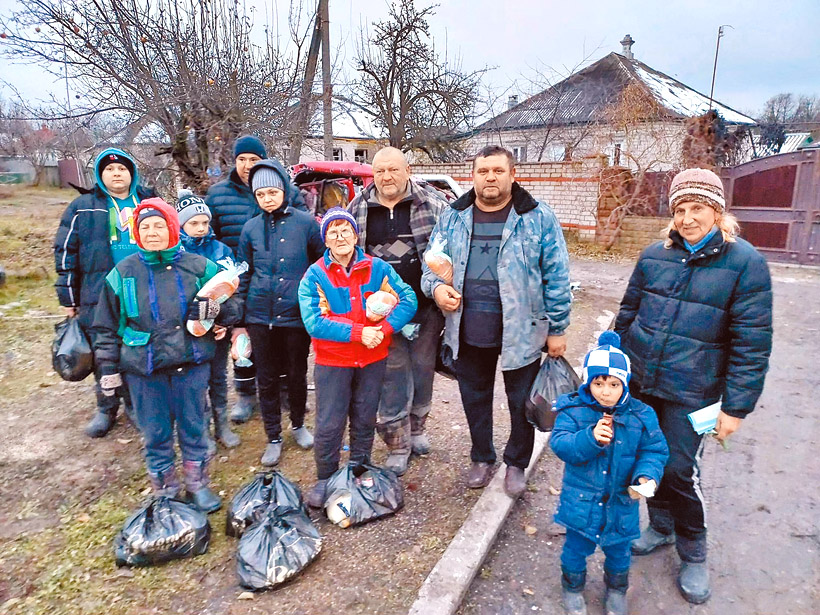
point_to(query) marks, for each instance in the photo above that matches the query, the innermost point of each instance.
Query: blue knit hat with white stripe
(607, 359)
(337, 213)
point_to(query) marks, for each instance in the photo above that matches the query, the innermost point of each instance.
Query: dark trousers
(244, 378)
(577, 548)
(218, 382)
(169, 397)
(106, 404)
(475, 372)
(278, 349)
(343, 392)
(679, 504)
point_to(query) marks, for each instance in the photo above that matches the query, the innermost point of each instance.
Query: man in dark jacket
(696, 320)
(395, 216)
(95, 233)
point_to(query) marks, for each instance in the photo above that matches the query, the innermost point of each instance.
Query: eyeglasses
(345, 233)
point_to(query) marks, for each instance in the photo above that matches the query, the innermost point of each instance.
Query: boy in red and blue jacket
(350, 351)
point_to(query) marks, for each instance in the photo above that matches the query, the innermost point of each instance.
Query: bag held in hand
(220, 288)
(251, 501)
(555, 378)
(358, 494)
(71, 354)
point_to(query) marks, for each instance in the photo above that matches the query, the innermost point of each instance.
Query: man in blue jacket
(96, 232)
(509, 298)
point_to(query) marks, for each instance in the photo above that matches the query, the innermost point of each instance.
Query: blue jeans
(343, 392)
(175, 395)
(577, 549)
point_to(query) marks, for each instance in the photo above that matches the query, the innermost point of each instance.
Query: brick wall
(570, 188)
(639, 232)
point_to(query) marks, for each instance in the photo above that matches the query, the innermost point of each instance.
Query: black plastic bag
(445, 365)
(282, 543)
(555, 378)
(71, 353)
(358, 494)
(162, 529)
(251, 501)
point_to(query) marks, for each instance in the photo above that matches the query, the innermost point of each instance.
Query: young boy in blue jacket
(608, 441)
(198, 237)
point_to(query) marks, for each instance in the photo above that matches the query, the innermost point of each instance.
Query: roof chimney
(627, 42)
(512, 101)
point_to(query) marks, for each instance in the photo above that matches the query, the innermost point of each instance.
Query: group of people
(694, 328)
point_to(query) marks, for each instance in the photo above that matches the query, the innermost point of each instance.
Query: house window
(337, 154)
(616, 157)
(520, 153)
(360, 155)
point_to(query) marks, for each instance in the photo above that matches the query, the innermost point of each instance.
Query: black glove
(202, 308)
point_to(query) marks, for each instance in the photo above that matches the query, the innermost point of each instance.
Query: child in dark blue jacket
(609, 441)
(198, 237)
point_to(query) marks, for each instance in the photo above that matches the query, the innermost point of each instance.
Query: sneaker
(397, 462)
(272, 453)
(303, 437)
(420, 444)
(650, 540)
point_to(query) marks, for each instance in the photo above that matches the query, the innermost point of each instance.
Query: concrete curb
(445, 586)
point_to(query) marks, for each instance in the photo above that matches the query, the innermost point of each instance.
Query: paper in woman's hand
(646, 490)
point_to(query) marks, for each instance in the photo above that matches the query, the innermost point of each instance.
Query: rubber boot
(615, 597)
(650, 540)
(101, 423)
(244, 408)
(222, 430)
(165, 483)
(693, 582)
(396, 434)
(572, 592)
(419, 442)
(316, 495)
(196, 486)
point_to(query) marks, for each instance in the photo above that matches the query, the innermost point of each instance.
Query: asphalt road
(762, 494)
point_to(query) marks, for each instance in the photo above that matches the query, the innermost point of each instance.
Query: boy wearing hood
(279, 245)
(95, 233)
(608, 441)
(140, 333)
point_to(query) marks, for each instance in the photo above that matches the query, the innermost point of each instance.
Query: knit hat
(700, 185)
(111, 158)
(157, 207)
(189, 205)
(266, 177)
(607, 359)
(337, 213)
(249, 145)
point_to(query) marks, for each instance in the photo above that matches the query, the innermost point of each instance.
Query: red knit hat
(700, 185)
(157, 207)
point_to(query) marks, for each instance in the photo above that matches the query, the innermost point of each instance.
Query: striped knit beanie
(337, 213)
(700, 185)
(189, 205)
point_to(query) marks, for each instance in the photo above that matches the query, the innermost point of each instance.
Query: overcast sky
(772, 47)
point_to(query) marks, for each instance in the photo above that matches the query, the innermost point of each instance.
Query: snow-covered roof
(791, 144)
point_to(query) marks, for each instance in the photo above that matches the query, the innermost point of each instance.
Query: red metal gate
(777, 202)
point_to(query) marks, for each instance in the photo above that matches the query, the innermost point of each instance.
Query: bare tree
(25, 139)
(190, 67)
(418, 97)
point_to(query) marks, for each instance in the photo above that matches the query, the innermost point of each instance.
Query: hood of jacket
(290, 189)
(132, 191)
(522, 200)
(171, 219)
(195, 242)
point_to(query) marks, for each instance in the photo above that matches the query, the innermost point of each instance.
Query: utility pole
(306, 96)
(714, 70)
(327, 86)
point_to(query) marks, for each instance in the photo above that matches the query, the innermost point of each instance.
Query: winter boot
(101, 424)
(303, 437)
(165, 483)
(222, 430)
(615, 597)
(272, 453)
(396, 434)
(650, 540)
(316, 495)
(419, 442)
(244, 408)
(572, 592)
(211, 446)
(693, 582)
(196, 486)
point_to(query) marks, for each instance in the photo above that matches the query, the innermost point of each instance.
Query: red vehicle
(326, 184)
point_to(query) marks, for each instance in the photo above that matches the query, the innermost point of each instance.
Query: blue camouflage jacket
(533, 275)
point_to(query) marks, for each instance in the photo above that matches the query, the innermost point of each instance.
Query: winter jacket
(594, 499)
(278, 248)
(139, 324)
(232, 204)
(333, 308)
(698, 326)
(533, 275)
(209, 247)
(82, 246)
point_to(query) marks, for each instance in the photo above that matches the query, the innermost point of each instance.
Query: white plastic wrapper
(438, 260)
(220, 288)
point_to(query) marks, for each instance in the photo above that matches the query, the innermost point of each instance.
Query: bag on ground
(252, 500)
(71, 353)
(161, 530)
(358, 494)
(555, 378)
(220, 288)
(281, 544)
(445, 366)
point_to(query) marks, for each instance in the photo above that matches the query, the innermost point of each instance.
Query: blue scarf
(702, 242)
